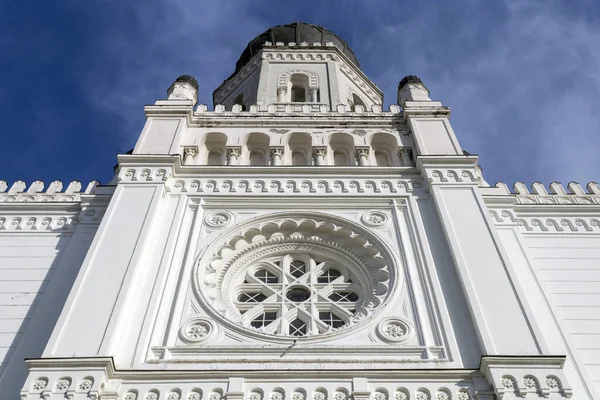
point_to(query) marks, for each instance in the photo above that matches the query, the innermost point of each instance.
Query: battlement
(556, 193)
(19, 192)
(306, 108)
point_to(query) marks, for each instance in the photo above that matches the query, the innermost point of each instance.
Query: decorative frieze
(292, 186)
(550, 224)
(556, 193)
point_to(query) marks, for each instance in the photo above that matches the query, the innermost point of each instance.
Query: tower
(299, 242)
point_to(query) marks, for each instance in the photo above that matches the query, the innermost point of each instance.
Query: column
(362, 154)
(314, 95)
(233, 155)
(189, 154)
(281, 95)
(319, 154)
(276, 155)
(405, 155)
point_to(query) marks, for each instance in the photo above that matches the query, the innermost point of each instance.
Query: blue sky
(522, 77)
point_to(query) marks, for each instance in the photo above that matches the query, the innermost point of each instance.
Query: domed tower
(298, 242)
(297, 65)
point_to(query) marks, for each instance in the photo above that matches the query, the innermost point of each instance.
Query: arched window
(339, 158)
(381, 158)
(299, 88)
(298, 158)
(240, 100)
(214, 158)
(257, 158)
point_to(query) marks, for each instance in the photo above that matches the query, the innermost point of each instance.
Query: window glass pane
(264, 319)
(329, 276)
(331, 319)
(266, 277)
(251, 297)
(297, 328)
(297, 268)
(343, 296)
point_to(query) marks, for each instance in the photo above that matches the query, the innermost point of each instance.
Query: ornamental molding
(284, 78)
(293, 186)
(143, 175)
(451, 176)
(375, 218)
(219, 219)
(20, 193)
(218, 267)
(546, 223)
(197, 330)
(395, 330)
(96, 378)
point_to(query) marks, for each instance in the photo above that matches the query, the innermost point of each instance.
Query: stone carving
(194, 395)
(276, 396)
(255, 396)
(463, 395)
(351, 248)
(85, 385)
(289, 186)
(401, 395)
(173, 396)
(218, 219)
(151, 396)
(39, 384)
(421, 395)
(62, 385)
(379, 396)
(197, 330)
(340, 396)
(395, 330)
(319, 396)
(215, 396)
(130, 396)
(298, 396)
(375, 218)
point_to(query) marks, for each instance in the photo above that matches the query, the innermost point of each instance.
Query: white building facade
(299, 243)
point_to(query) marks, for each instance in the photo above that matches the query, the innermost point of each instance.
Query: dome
(296, 32)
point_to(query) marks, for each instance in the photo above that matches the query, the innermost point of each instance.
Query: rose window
(295, 277)
(296, 295)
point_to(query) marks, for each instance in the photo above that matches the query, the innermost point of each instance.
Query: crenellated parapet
(55, 208)
(20, 192)
(539, 209)
(556, 193)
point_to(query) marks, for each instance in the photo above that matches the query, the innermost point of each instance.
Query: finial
(411, 88)
(184, 88)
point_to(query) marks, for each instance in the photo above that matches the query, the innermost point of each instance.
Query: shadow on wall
(34, 293)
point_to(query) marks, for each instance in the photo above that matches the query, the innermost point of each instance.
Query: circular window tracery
(296, 294)
(299, 277)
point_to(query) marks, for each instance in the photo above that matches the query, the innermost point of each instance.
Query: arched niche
(257, 149)
(300, 149)
(214, 148)
(383, 149)
(341, 146)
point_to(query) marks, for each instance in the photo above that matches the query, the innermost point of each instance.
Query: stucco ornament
(262, 276)
(421, 395)
(375, 218)
(401, 395)
(62, 385)
(130, 396)
(340, 396)
(40, 384)
(254, 396)
(197, 330)
(194, 396)
(85, 385)
(218, 219)
(379, 396)
(395, 330)
(276, 396)
(319, 396)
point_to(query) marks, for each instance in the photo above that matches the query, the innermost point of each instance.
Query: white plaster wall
(568, 269)
(37, 271)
